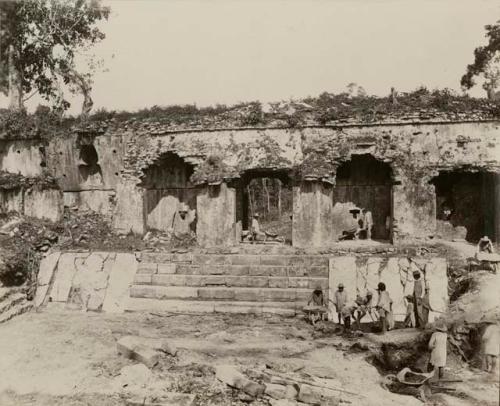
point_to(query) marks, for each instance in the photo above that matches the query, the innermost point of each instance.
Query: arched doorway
(465, 204)
(168, 191)
(268, 193)
(366, 183)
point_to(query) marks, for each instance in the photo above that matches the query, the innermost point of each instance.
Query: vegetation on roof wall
(421, 104)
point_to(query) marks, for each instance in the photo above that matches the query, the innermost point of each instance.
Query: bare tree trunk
(15, 83)
(279, 199)
(268, 199)
(250, 200)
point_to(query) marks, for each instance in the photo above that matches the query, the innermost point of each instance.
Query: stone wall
(216, 212)
(359, 274)
(43, 204)
(414, 152)
(25, 157)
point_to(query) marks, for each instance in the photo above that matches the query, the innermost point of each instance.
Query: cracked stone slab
(47, 267)
(120, 279)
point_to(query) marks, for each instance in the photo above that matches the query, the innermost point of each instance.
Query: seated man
(364, 307)
(485, 245)
(356, 225)
(318, 309)
(257, 234)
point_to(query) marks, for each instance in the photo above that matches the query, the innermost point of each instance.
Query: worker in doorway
(485, 245)
(257, 234)
(339, 300)
(437, 345)
(490, 345)
(181, 223)
(355, 226)
(418, 291)
(426, 307)
(410, 312)
(365, 305)
(368, 223)
(384, 306)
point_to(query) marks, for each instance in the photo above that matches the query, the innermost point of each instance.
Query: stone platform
(230, 282)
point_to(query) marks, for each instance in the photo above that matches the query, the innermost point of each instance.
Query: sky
(161, 52)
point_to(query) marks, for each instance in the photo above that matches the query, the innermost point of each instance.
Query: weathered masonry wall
(115, 282)
(362, 274)
(101, 171)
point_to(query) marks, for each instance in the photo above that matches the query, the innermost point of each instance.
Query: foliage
(483, 56)
(11, 181)
(44, 37)
(213, 169)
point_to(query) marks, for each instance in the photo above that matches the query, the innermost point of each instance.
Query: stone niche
(312, 214)
(216, 224)
(359, 274)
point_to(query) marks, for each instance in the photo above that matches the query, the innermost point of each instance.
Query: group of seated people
(363, 305)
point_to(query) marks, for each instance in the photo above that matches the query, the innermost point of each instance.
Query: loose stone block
(132, 347)
(232, 377)
(275, 391)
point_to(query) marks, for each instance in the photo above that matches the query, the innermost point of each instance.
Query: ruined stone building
(423, 176)
(407, 172)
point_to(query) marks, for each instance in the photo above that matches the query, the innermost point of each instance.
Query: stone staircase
(12, 303)
(237, 283)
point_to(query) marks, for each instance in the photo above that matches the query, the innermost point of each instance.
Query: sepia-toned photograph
(249, 202)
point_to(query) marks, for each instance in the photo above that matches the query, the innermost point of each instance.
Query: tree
(40, 42)
(486, 62)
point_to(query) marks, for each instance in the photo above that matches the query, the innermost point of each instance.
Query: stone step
(16, 311)
(199, 306)
(225, 280)
(235, 270)
(11, 301)
(234, 259)
(220, 293)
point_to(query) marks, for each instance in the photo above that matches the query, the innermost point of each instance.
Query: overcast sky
(226, 51)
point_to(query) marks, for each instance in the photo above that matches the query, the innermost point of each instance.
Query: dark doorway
(269, 194)
(89, 169)
(366, 183)
(168, 191)
(467, 199)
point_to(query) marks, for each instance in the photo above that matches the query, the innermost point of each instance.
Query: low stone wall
(100, 201)
(43, 204)
(359, 274)
(110, 281)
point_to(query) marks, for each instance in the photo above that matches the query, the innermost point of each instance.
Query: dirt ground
(65, 357)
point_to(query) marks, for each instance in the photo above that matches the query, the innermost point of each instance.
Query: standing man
(340, 300)
(384, 306)
(368, 223)
(364, 307)
(491, 344)
(426, 307)
(437, 345)
(418, 290)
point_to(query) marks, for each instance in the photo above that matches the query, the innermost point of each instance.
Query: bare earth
(64, 357)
